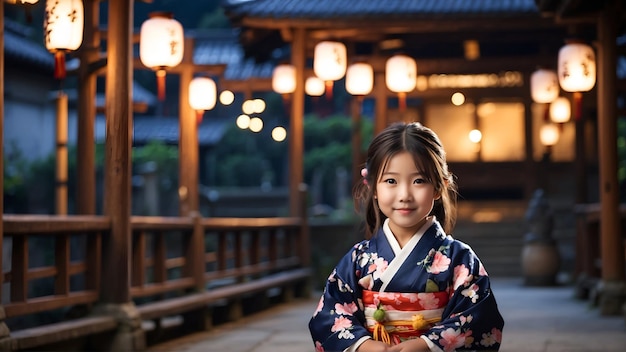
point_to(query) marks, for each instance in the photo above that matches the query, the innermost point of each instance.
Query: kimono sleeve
(471, 319)
(338, 321)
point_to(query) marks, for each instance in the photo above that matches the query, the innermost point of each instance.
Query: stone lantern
(540, 256)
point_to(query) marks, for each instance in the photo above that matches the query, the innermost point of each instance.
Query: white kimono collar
(401, 254)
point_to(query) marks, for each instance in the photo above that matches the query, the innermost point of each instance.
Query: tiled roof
(165, 129)
(328, 9)
(222, 47)
(19, 48)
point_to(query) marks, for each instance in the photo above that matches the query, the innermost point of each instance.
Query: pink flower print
(318, 347)
(366, 282)
(320, 305)
(341, 323)
(488, 339)
(440, 263)
(461, 272)
(387, 295)
(465, 319)
(346, 308)
(452, 339)
(471, 292)
(429, 301)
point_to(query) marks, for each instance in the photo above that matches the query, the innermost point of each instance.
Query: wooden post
(61, 155)
(85, 151)
(611, 241)
(296, 135)
(380, 91)
(357, 138)
(117, 201)
(188, 143)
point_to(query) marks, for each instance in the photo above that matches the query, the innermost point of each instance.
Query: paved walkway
(537, 319)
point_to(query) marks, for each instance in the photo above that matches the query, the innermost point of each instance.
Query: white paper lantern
(330, 60)
(400, 73)
(161, 45)
(202, 93)
(560, 110)
(314, 86)
(401, 76)
(360, 78)
(544, 86)
(577, 67)
(63, 30)
(284, 79)
(549, 134)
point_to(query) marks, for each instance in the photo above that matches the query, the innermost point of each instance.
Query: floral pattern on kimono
(470, 321)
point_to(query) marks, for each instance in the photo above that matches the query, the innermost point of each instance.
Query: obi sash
(406, 315)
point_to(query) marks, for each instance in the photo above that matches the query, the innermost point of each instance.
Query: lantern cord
(578, 105)
(329, 90)
(199, 115)
(402, 101)
(160, 73)
(59, 65)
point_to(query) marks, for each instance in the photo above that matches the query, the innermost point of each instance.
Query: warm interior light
(227, 97)
(360, 78)
(284, 79)
(248, 107)
(544, 86)
(314, 86)
(161, 45)
(549, 134)
(475, 136)
(458, 98)
(577, 67)
(560, 110)
(63, 30)
(279, 134)
(258, 105)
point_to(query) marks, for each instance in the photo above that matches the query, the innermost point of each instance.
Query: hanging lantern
(63, 30)
(314, 86)
(560, 110)
(284, 79)
(577, 71)
(360, 79)
(577, 67)
(401, 76)
(161, 45)
(549, 134)
(329, 63)
(544, 86)
(202, 95)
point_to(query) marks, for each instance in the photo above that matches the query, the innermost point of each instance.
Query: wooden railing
(178, 265)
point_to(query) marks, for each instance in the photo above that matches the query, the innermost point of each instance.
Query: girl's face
(404, 195)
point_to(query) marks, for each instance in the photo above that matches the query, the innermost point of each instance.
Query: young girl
(409, 286)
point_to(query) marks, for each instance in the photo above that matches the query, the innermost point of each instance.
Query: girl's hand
(374, 346)
(415, 345)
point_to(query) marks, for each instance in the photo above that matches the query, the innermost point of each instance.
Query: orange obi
(393, 317)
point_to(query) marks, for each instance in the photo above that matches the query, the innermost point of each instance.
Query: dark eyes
(392, 181)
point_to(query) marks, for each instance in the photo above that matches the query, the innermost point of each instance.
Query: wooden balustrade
(178, 264)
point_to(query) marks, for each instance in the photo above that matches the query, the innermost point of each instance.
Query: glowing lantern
(284, 79)
(544, 86)
(161, 45)
(360, 79)
(577, 71)
(549, 134)
(314, 86)
(202, 95)
(401, 76)
(63, 30)
(560, 110)
(329, 63)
